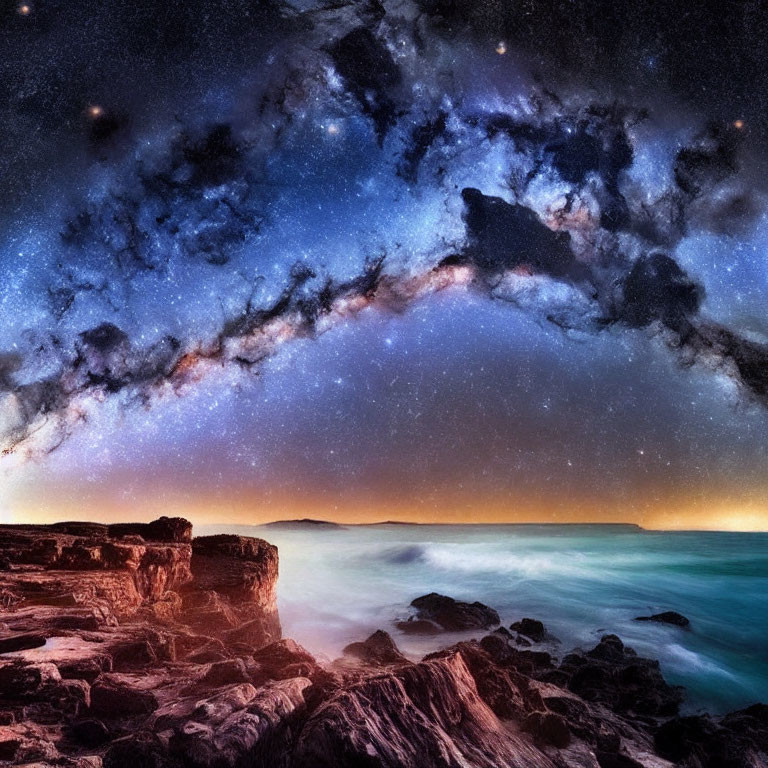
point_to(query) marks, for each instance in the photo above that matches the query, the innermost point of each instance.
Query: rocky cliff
(137, 646)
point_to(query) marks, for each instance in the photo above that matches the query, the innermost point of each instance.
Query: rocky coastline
(140, 646)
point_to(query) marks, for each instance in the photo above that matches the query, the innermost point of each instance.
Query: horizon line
(323, 521)
(319, 522)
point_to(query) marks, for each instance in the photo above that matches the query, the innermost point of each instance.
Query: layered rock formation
(136, 646)
(101, 626)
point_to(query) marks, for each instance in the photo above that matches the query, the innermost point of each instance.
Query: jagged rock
(667, 617)
(166, 608)
(378, 649)
(161, 569)
(508, 693)
(205, 743)
(70, 697)
(454, 615)
(24, 680)
(614, 675)
(209, 610)
(498, 647)
(684, 737)
(752, 721)
(255, 633)
(68, 552)
(210, 653)
(739, 740)
(86, 662)
(521, 640)
(534, 661)
(130, 646)
(218, 707)
(238, 567)
(426, 715)
(616, 760)
(528, 662)
(9, 746)
(531, 628)
(26, 743)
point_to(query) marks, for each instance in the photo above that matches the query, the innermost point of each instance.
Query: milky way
(190, 208)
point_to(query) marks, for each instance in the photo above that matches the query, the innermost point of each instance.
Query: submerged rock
(667, 617)
(414, 626)
(454, 615)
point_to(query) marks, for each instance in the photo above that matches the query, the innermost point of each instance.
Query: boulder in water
(531, 628)
(454, 615)
(667, 617)
(415, 626)
(613, 674)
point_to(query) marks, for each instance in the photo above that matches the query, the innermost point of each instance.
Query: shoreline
(139, 645)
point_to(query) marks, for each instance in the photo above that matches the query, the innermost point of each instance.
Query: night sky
(437, 260)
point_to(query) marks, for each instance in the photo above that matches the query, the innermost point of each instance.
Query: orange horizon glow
(727, 515)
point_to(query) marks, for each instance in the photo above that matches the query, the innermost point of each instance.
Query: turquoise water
(582, 581)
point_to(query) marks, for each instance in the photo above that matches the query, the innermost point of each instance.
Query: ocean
(337, 585)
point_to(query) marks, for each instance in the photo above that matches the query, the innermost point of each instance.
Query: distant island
(305, 522)
(308, 522)
(623, 526)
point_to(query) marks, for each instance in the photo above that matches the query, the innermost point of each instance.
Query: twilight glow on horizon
(369, 262)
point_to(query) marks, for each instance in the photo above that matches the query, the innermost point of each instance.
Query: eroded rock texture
(105, 629)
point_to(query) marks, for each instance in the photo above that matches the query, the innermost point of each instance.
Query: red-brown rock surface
(99, 627)
(233, 589)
